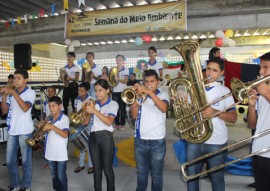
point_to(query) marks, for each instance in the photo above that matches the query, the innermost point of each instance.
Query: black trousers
(101, 147)
(70, 93)
(261, 169)
(121, 114)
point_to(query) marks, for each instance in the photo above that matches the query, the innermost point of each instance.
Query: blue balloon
(256, 61)
(138, 41)
(11, 64)
(81, 61)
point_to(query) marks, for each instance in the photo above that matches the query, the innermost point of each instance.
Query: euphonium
(194, 85)
(78, 118)
(31, 142)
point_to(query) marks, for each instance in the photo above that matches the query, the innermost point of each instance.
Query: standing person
(218, 139)
(83, 96)
(153, 63)
(95, 73)
(51, 91)
(71, 92)
(56, 144)
(121, 79)
(132, 81)
(105, 73)
(258, 112)
(18, 105)
(101, 144)
(10, 81)
(150, 131)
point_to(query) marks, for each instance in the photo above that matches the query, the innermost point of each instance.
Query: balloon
(231, 42)
(226, 40)
(229, 33)
(219, 42)
(256, 61)
(11, 64)
(81, 62)
(76, 43)
(219, 34)
(138, 41)
(71, 48)
(147, 38)
(136, 70)
(67, 41)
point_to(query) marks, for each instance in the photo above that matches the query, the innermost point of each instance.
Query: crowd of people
(108, 113)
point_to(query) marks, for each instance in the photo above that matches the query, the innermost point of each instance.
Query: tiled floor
(125, 176)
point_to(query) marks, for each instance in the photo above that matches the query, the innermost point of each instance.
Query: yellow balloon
(8, 68)
(229, 33)
(136, 70)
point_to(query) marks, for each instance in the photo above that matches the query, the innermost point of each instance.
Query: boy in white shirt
(218, 139)
(150, 132)
(18, 104)
(56, 144)
(83, 96)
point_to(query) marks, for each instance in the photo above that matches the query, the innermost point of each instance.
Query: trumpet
(2, 92)
(129, 96)
(78, 118)
(31, 142)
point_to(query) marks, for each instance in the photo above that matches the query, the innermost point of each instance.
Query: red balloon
(147, 38)
(219, 42)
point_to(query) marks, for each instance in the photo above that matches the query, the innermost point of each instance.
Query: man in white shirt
(96, 73)
(258, 117)
(71, 92)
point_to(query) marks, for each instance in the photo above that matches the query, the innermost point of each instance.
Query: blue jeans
(82, 157)
(194, 151)
(13, 145)
(59, 175)
(149, 156)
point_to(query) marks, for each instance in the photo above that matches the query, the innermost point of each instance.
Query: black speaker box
(22, 56)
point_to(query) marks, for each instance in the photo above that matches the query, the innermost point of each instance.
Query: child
(101, 136)
(56, 144)
(153, 63)
(18, 104)
(218, 139)
(150, 131)
(51, 91)
(122, 79)
(83, 96)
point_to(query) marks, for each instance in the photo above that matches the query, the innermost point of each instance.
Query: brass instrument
(239, 90)
(129, 96)
(31, 142)
(63, 77)
(190, 177)
(87, 70)
(78, 118)
(189, 51)
(113, 72)
(7, 86)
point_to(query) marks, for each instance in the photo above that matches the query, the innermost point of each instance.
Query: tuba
(195, 91)
(63, 77)
(113, 72)
(87, 70)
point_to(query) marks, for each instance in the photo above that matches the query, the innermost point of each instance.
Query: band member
(83, 96)
(121, 79)
(71, 92)
(101, 137)
(51, 91)
(258, 112)
(150, 131)
(153, 63)
(18, 104)
(95, 73)
(218, 139)
(56, 144)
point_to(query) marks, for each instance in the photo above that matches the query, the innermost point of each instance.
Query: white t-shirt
(96, 70)
(79, 102)
(157, 66)
(150, 123)
(56, 146)
(20, 122)
(72, 71)
(262, 142)
(107, 109)
(124, 72)
(220, 132)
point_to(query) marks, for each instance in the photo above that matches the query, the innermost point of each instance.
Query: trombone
(239, 90)
(190, 177)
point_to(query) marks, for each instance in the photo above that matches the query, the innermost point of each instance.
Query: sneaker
(4, 165)
(90, 170)
(79, 169)
(14, 189)
(252, 186)
(25, 189)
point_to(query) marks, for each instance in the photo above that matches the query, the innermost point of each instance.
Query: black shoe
(4, 165)
(79, 169)
(252, 186)
(25, 189)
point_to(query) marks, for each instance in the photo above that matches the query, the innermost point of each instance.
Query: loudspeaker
(22, 56)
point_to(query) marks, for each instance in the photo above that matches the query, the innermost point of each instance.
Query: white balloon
(71, 48)
(231, 42)
(76, 43)
(219, 34)
(226, 40)
(67, 41)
